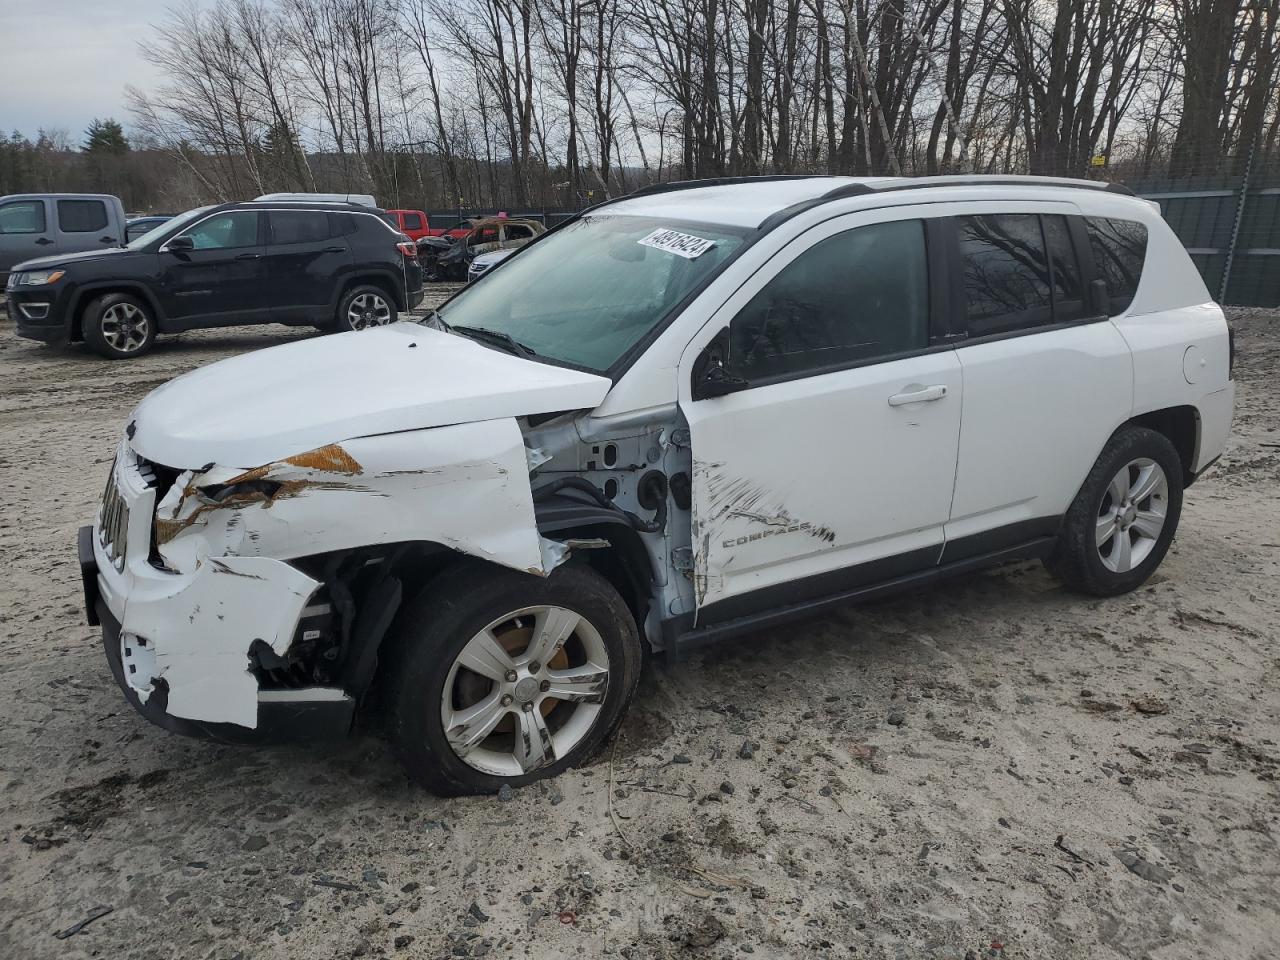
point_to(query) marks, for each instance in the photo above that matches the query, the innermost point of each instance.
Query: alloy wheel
(368, 310)
(125, 327)
(1132, 515)
(525, 690)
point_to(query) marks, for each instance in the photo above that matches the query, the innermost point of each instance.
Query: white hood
(274, 403)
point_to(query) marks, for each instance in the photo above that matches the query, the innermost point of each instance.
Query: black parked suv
(336, 266)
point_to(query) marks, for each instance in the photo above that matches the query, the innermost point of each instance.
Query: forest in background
(441, 104)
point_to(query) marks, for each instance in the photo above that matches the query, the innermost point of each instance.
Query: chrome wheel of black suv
(118, 326)
(365, 306)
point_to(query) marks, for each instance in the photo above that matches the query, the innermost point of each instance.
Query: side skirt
(682, 635)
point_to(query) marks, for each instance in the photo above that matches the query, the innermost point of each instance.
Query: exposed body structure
(491, 534)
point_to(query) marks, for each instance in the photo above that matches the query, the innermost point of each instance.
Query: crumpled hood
(270, 404)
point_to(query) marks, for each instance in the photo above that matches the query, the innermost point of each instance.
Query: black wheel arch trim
(386, 279)
(87, 292)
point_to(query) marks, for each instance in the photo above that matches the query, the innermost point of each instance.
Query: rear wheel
(1123, 520)
(118, 326)
(506, 678)
(365, 306)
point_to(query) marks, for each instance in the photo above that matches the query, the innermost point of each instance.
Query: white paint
(1037, 411)
(273, 403)
(790, 480)
(464, 486)
(816, 474)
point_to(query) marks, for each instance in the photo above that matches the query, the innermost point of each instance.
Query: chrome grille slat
(113, 522)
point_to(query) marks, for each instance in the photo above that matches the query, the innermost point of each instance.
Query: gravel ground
(989, 768)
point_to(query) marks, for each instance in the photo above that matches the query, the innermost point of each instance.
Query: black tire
(1076, 558)
(118, 326)
(434, 628)
(381, 308)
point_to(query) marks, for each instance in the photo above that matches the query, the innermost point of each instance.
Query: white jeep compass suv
(702, 409)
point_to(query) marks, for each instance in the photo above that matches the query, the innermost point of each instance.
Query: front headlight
(39, 278)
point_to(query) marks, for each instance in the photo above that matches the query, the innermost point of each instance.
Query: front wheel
(502, 677)
(365, 306)
(1123, 520)
(118, 326)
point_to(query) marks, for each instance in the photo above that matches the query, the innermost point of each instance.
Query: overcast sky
(65, 62)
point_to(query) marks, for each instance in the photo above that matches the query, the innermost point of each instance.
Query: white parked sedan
(486, 261)
(699, 410)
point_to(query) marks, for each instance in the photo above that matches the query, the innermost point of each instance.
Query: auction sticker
(681, 244)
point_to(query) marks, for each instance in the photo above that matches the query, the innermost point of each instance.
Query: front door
(833, 467)
(220, 281)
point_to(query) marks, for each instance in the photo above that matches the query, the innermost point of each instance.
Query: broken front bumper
(201, 684)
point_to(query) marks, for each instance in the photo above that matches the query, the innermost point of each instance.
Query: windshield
(591, 290)
(178, 222)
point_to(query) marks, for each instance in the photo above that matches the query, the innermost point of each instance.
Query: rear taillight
(408, 249)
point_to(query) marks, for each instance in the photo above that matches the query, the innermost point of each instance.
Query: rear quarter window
(1119, 252)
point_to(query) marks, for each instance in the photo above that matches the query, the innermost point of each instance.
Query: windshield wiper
(497, 337)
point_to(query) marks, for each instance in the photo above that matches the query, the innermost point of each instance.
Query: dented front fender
(464, 486)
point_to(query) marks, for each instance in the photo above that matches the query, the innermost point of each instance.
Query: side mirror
(710, 377)
(179, 244)
(1099, 299)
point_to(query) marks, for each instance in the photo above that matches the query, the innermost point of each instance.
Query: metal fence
(1231, 228)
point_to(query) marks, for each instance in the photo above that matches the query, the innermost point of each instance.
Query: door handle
(249, 256)
(918, 393)
(334, 249)
(44, 241)
(106, 239)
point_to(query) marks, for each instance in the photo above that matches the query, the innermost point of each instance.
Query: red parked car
(416, 225)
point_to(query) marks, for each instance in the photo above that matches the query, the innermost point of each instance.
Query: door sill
(681, 635)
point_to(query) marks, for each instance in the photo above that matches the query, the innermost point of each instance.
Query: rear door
(221, 281)
(305, 258)
(84, 225)
(834, 467)
(26, 228)
(1046, 381)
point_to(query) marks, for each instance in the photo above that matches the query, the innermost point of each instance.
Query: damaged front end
(251, 603)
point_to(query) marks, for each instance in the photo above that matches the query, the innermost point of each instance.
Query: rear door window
(298, 226)
(1119, 251)
(1005, 273)
(81, 216)
(22, 216)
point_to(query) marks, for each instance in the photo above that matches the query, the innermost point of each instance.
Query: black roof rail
(920, 183)
(862, 189)
(857, 189)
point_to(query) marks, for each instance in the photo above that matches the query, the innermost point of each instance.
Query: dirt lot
(991, 768)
